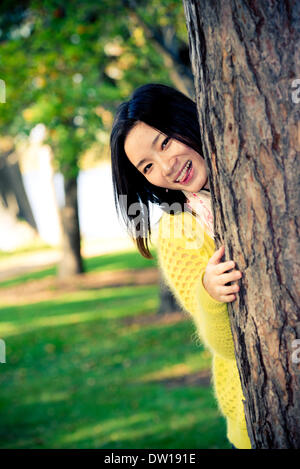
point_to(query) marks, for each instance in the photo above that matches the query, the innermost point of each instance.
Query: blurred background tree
(68, 65)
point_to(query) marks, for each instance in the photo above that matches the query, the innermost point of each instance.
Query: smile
(184, 172)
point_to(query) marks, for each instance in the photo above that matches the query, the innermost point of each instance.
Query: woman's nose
(166, 168)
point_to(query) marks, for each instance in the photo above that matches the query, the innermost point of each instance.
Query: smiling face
(164, 161)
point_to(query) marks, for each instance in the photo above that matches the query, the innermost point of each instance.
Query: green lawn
(84, 371)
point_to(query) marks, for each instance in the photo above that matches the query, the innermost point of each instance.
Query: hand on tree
(216, 277)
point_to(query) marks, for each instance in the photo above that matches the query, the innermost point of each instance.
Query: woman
(157, 157)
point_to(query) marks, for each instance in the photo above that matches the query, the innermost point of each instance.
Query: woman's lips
(189, 175)
(183, 167)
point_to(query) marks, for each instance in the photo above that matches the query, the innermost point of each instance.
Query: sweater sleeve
(183, 267)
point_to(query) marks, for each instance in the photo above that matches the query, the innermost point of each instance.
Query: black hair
(175, 115)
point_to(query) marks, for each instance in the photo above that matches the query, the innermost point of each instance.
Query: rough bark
(245, 62)
(71, 262)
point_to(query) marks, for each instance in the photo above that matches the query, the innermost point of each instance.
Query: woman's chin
(192, 188)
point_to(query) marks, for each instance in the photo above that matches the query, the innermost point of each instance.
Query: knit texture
(184, 249)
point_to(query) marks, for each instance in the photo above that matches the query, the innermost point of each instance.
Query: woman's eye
(165, 142)
(145, 169)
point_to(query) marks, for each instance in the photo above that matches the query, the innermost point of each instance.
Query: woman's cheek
(154, 178)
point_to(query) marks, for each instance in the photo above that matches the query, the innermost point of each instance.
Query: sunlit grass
(34, 246)
(124, 260)
(75, 308)
(83, 371)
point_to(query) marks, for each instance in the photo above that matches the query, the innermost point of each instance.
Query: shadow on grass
(119, 261)
(136, 416)
(93, 369)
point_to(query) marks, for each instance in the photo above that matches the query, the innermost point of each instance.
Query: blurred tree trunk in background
(71, 262)
(168, 303)
(12, 191)
(245, 58)
(174, 51)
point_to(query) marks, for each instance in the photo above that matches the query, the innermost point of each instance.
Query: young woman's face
(165, 162)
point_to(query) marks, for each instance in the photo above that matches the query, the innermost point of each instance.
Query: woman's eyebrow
(155, 140)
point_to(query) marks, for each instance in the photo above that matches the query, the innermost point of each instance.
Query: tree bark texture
(245, 59)
(71, 262)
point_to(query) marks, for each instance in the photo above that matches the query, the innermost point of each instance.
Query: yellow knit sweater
(184, 249)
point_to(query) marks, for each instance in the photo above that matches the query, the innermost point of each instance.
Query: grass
(93, 369)
(124, 260)
(34, 246)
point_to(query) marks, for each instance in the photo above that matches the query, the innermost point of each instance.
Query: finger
(224, 266)
(223, 291)
(228, 298)
(217, 256)
(230, 289)
(229, 277)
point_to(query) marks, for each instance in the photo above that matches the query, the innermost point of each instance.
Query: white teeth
(183, 172)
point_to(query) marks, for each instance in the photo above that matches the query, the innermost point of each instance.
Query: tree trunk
(173, 51)
(246, 66)
(12, 188)
(71, 262)
(168, 303)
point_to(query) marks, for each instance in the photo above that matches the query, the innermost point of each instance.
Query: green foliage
(69, 64)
